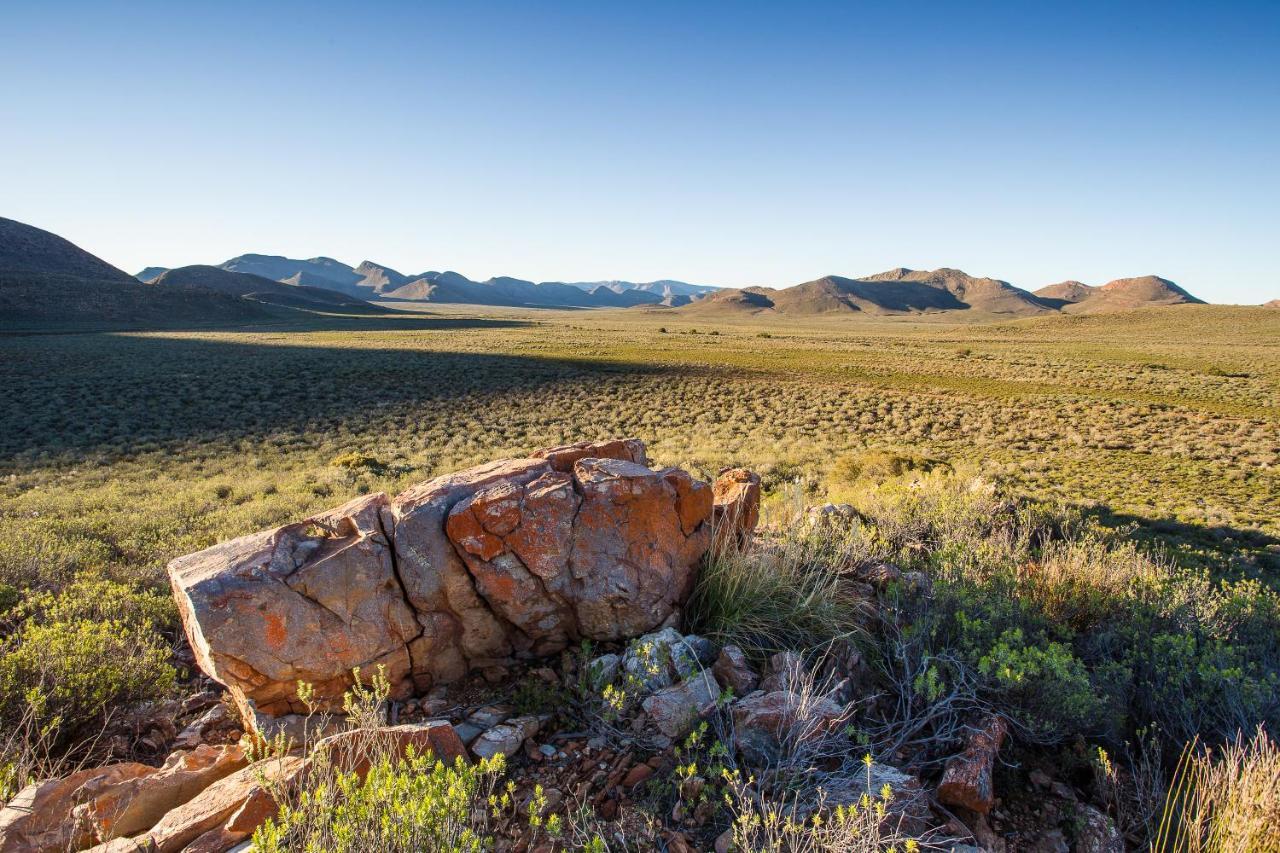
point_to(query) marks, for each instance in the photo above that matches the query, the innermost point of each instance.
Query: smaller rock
(39, 818)
(967, 781)
(505, 738)
(123, 808)
(783, 669)
(638, 774)
(764, 722)
(736, 508)
(490, 716)
(732, 670)
(703, 649)
(467, 732)
(1040, 779)
(603, 670)
(1096, 832)
(675, 710)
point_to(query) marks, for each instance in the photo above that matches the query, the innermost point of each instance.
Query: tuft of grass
(1225, 800)
(790, 594)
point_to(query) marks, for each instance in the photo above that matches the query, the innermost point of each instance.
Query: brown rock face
(39, 818)
(516, 558)
(626, 449)
(966, 781)
(764, 722)
(122, 808)
(737, 507)
(307, 601)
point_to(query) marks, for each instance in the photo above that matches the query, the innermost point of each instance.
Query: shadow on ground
(73, 394)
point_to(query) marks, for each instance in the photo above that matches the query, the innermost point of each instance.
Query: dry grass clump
(1225, 800)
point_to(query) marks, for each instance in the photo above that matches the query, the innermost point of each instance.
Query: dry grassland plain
(121, 450)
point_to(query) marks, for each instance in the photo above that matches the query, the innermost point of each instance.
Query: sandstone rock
(765, 722)
(1096, 832)
(236, 800)
(732, 670)
(675, 710)
(307, 601)
(637, 538)
(966, 781)
(736, 494)
(351, 751)
(39, 818)
(516, 541)
(122, 808)
(464, 572)
(457, 624)
(563, 458)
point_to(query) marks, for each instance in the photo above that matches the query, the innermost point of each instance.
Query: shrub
(81, 654)
(400, 807)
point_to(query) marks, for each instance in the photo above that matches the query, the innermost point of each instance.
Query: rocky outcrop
(737, 507)
(517, 558)
(39, 818)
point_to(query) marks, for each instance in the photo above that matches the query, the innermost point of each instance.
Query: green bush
(82, 654)
(400, 806)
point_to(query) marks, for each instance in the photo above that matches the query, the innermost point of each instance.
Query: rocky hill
(943, 291)
(46, 279)
(259, 289)
(1123, 294)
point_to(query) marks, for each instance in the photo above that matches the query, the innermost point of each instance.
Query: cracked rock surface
(513, 559)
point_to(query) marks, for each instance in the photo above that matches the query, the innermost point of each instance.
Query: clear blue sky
(733, 144)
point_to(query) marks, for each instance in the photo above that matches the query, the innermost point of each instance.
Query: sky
(732, 144)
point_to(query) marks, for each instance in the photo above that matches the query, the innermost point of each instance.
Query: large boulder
(309, 602)
(516, 558)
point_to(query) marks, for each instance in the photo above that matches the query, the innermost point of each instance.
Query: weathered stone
(736, 512)
(675, 710)
(637, 538)
(563, 458)
(39, 819)
(603, 670)
(462, 573)
(732, 670)
(490, 715)
(1096, 832)
(967, 781)
(122, 808)
(457, 624)
(765, 722)
(516, 541)
(308, 601)
(352, 751)
(241, 796)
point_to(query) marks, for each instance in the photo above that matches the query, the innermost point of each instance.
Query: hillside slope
(259, 289)
(46, 279)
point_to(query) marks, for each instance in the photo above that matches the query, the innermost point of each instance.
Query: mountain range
(904, 291)
(370, 280)
(43, 277)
